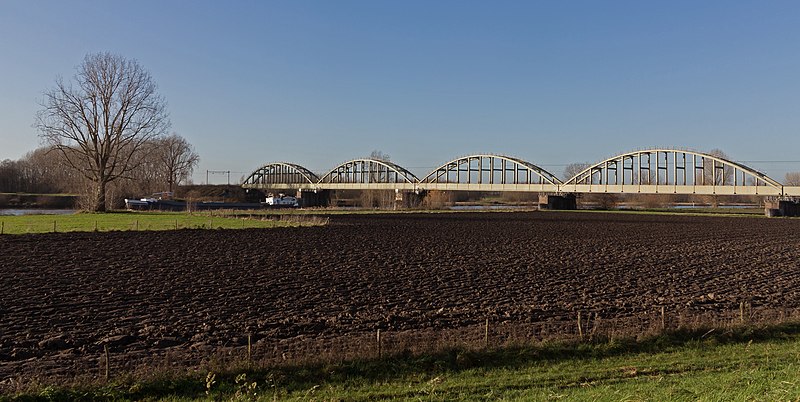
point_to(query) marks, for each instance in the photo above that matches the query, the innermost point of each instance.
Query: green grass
(128, 220)
(368, 211)
(742, 364)
(721, 212)
(117, 221)
(712, 211)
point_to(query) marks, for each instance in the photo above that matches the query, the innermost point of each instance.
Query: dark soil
(186, 293)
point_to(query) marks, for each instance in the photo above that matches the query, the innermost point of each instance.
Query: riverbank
(38, 201)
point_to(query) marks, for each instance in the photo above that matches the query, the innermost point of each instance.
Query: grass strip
(248, 219)
(745, 363)
(142, 221)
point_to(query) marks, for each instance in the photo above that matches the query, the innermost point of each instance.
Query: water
(489, 207)
(505, 207)
(722, 206)
(19, 212)
(688, 206)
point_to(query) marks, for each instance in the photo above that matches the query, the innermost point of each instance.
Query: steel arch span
(490, 172)
(369, 174)
(675, 171)
(281, 175)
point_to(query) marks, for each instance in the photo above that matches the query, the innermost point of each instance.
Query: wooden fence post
(663, 319)
(380, 352)
(741, 311)
(580, 329)
(486, 335)
(108, 364)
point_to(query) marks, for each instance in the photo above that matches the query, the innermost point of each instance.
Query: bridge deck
(793, 191)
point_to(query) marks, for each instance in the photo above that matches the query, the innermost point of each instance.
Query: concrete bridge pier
(558, 201)
(311, 198)
(408, 199)
(782, 207)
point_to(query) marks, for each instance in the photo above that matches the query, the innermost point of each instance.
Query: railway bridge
(649, 171)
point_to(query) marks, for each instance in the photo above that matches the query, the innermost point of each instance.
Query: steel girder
(508, 169)
(664, 167)
(369, 171)
(281, 173)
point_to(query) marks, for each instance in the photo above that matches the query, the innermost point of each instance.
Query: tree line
(159, 165)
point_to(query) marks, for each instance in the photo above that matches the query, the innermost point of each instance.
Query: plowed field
(62, 296)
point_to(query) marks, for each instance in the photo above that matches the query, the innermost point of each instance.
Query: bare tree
(177, 158)
(10, 176)
(380, 156)
(436, 199)
(101, 121)
(573, 169)
(792, 179)
(608, 201)
(722, 175)
(47, 171)
(39, 171)
(716, 174)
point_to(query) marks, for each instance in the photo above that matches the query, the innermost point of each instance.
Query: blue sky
(318, 83)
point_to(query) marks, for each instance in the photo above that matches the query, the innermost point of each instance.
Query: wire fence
(584, 327)
(252, 351)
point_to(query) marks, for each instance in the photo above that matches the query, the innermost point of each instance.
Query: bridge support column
(782, 208)
(408, 199)
(319, 198)
(558, 202)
